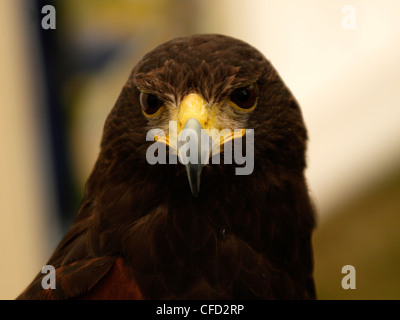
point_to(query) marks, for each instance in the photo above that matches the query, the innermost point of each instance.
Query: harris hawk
(151, 230)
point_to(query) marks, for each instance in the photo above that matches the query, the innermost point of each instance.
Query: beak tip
(193, 166)
(194, 173)
(195, 193)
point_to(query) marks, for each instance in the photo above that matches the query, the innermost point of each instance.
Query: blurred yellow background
(346, 80)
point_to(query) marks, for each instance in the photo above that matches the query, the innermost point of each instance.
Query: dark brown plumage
(141, 233)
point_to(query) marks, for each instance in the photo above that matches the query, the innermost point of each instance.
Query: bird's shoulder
(81, 274)
(102, 278)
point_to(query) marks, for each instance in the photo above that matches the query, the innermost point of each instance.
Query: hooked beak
(198, 134)
(200, 145)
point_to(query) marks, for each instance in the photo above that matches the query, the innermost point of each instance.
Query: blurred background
(339, 58)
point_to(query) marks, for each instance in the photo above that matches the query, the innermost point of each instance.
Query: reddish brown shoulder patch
(117, 284)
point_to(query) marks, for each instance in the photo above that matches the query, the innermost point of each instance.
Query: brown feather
(242, 237)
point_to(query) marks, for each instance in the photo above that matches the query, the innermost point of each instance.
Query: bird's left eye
(150, 103)
(245, 97)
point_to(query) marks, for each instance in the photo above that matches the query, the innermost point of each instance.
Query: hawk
(152, 226)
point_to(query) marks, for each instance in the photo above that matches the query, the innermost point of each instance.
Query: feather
(141, 234)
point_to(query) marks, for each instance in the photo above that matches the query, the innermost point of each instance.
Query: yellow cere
(193, 106)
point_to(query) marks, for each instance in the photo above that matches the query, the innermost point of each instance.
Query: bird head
(194, 97)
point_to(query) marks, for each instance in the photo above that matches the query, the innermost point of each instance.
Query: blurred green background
(57, 87)
(363, 233)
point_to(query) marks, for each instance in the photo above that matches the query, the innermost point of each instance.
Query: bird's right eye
(150, 103)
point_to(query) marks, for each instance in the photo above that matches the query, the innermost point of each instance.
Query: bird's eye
(245, 97)
(150, 103)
